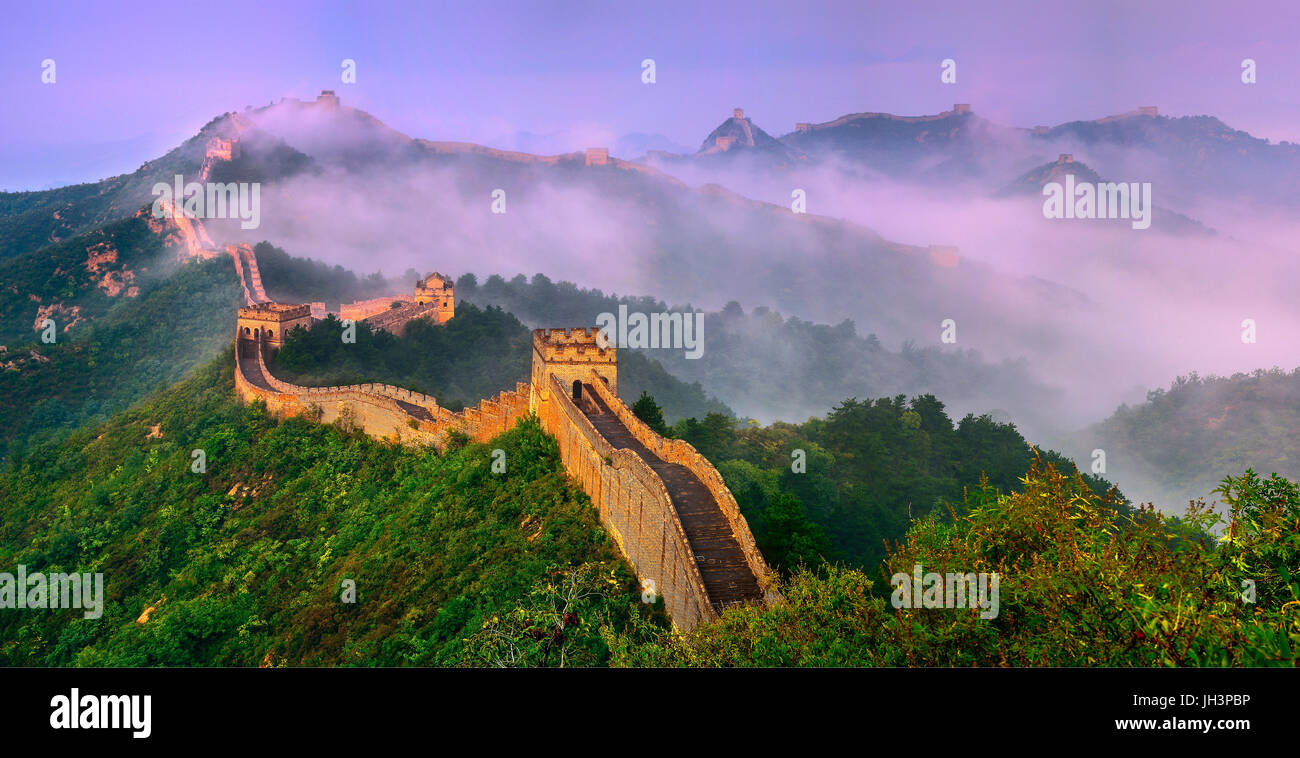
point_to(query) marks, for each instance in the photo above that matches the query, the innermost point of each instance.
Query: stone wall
(633, 503)
(685, 454)
(361, 309)
(375, 407)
(250, 277)
(634, 506)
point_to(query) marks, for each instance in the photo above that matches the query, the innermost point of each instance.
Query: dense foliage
(1173, 447)
(61, 275)
(302, 280)
(244, 563)
(862, 475)
(1081, 583)
(474, 355)
(142, 345)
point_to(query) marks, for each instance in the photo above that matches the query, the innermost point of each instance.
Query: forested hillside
(837, 489)
(1173, 448)
(251, 557)
(1080, 584)
(142, 345)
(245, 562)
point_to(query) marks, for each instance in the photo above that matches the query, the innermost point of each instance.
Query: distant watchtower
(327, 98)
(219, 148)
(1149, 110)
(438, 290)
(570, 355)
(960, 108)
(1064, 158)
(269, 322)
(738, 113)
(597, 156)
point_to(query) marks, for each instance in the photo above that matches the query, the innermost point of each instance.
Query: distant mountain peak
(1032, 182)
(739, 132)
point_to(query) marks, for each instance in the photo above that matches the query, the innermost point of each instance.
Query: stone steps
(722, 565)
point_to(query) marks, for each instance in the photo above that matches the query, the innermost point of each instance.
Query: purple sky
(134, 80)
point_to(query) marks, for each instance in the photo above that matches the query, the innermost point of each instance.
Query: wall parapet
(634, 502)
(383, 415)
(634, 505)
(685, 454)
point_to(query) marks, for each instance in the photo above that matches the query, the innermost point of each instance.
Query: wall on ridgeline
(381, 410)
(633, 503)
(685, 454)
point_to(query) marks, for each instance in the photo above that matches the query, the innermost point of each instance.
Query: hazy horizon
(563, 75)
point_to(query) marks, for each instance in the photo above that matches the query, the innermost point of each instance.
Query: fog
(1098, 311)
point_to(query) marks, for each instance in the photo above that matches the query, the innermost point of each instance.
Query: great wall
(664, 504)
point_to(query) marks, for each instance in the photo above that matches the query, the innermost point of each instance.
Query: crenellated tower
(570, 355)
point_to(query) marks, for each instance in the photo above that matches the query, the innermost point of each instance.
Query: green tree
(646, 409)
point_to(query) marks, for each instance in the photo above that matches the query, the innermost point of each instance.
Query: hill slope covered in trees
(244, 563)
(1174, 447)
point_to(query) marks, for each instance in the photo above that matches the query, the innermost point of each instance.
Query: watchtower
(597, 156)
(738, 113)
(327, 98)
(960, 108)
(269, 322)
(570, 355)
(438, 290)
(223, 149)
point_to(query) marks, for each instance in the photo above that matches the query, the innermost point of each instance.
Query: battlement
(434, 287)
(725, 142)
(269, 322)
(597, 156)
(275, 311)
(220, 148)
(547, 339)
(571, 355)
(437, 290)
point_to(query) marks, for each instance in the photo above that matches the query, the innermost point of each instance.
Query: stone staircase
(727, 576)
